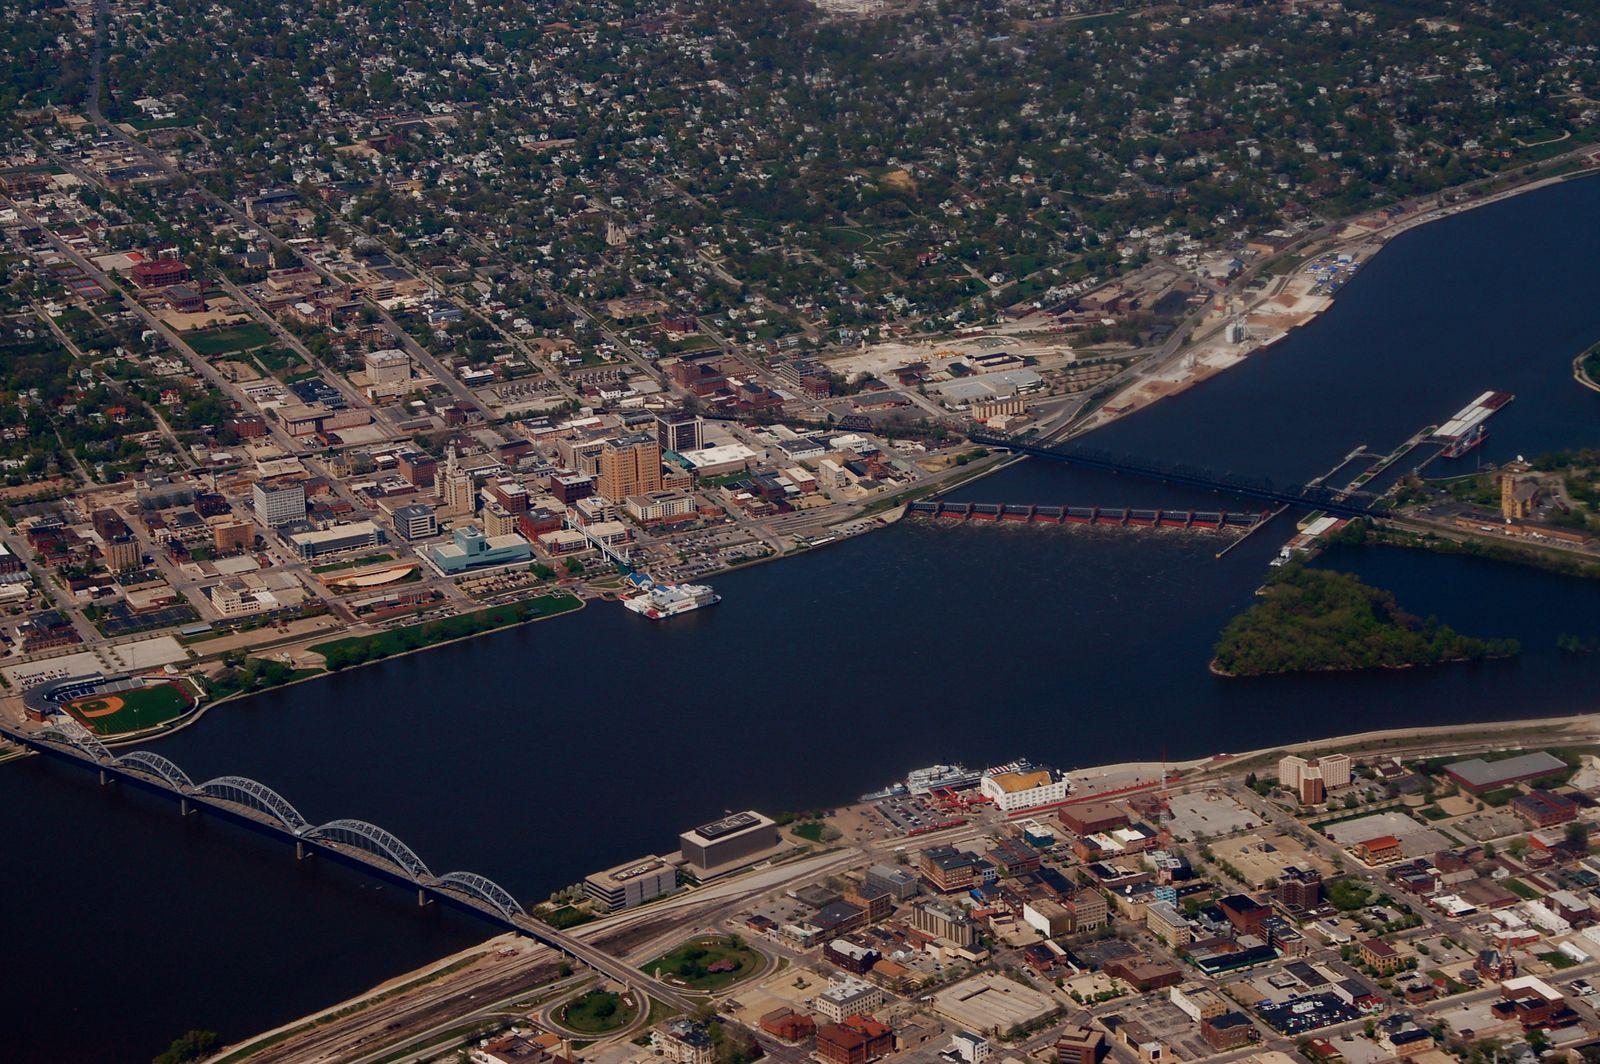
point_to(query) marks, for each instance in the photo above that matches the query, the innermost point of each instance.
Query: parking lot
(1209, 815)
(1170, 1024)
(1302, 1015)
(1489, 824)
(906, 814)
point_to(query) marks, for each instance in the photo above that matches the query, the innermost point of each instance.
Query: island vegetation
(1311, 620)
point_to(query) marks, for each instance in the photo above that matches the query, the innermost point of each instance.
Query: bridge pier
(104, 779)
(183, 807)
(300, 851)
(422, 898)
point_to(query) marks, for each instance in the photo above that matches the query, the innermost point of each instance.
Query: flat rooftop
(732, 824)
(1476, 772)
(991, 1003)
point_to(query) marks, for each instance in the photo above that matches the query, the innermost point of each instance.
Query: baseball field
(130, 711)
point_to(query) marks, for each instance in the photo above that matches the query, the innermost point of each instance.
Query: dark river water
(538, 755)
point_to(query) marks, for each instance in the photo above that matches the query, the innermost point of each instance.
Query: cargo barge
(1466, 429)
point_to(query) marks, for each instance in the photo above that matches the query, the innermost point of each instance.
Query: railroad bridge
(356, 843)
(1314, 497)
(1086, 515)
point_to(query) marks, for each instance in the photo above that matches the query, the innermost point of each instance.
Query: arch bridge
(356, 842)
(241, 798)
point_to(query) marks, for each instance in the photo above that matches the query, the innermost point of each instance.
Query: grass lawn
(352, 650)
(279, 361)
(565, 917)
(1521, 889)
(369, 559)
(143, 708)
(228, 339)
(707, 963)
(1557, 960)
(597, 1012)
(1347, 894)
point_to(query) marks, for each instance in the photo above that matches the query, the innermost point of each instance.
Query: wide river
(538, 755)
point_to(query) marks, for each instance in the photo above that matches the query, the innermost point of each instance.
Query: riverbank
(1202, 357)
(1415, 534)
(1586, 368)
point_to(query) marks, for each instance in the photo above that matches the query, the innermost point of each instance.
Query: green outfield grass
(143, 708)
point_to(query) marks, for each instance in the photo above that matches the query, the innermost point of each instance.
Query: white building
(234, 598)
(631, 884)
(1011, 791)
(388, 372)
(279, 502)
(1334, 771)
(848, 996)
(971, 1048)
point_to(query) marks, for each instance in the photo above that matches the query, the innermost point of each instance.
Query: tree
(1577, 834)
(192, 1045)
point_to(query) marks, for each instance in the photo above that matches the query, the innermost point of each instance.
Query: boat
(1462, 444)
(660, 601)
(941, 777)
(1466, 430)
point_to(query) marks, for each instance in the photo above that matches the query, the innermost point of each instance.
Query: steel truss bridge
(357, 843)
(1313, 497)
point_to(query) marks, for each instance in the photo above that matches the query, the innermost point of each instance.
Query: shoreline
(1376, 240)
(1579, 373)
(206, 706)
(1089, 418)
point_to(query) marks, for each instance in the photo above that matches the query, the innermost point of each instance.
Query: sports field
(130, 711)
(228, 339)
